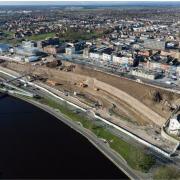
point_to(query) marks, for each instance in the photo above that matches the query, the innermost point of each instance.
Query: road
(98, 66)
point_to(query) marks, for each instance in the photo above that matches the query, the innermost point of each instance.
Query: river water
(34, 144)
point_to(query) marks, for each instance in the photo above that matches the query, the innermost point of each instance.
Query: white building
(95, 55)
(174, 125)
(144, 74)
(28, 44)
(122, 60)
(11, 50)
(86, 53)
(31, 58)
(178, 70)
(70, 50)
(106, 57)
(89, 43)
(116, 59)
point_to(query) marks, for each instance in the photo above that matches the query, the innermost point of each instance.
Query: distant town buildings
(144, 46)
(4, 48)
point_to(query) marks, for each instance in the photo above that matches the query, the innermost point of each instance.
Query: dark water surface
(35, 144)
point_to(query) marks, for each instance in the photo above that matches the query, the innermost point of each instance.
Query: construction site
(140, 108)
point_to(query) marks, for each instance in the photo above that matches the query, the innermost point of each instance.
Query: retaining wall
(168, 137)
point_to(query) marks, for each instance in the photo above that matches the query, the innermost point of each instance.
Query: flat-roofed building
(95, 55)
(106, 57)
(154, 44)
(70, 50)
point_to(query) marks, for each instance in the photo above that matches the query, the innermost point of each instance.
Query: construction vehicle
(52, 83)
(82, 84)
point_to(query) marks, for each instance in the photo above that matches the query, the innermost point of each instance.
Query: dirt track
(141, 92)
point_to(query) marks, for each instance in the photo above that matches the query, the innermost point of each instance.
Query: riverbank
(35, 144)
(121, 157)
(134, 162)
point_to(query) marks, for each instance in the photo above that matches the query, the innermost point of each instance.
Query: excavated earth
(141, 104)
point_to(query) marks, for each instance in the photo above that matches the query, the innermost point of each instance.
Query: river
(34, 144)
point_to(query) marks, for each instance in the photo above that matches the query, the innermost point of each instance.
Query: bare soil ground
(143, 93)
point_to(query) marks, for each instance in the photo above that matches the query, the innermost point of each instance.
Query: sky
(76, 2)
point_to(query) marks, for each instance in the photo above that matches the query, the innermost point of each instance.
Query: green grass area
(72, 35)
(135, 157)
(5, 34)
(8, 38)
(9, 33)
(38, 37)
(68, 36)
(11, 41)
(166, 172)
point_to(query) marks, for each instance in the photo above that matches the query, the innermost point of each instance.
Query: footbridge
(6, 86)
